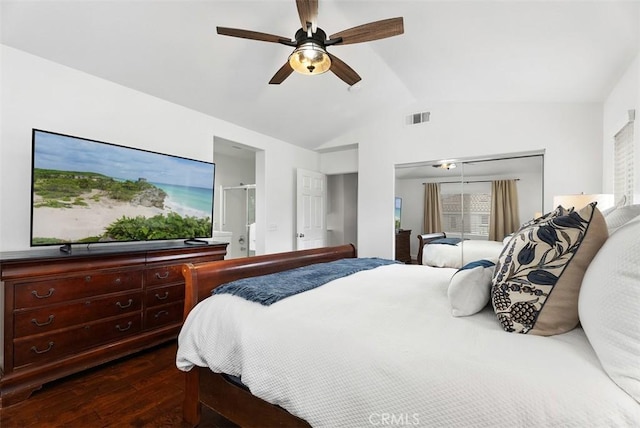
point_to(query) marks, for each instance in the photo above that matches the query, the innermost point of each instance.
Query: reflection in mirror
(474, 206)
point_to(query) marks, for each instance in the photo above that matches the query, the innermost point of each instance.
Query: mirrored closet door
(481, 199)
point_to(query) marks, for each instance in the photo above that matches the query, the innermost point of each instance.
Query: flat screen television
(85, 191)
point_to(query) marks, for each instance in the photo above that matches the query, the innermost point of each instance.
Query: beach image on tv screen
(85, 191)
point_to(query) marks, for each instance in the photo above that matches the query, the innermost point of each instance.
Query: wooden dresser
(403, 246)
(64, 313)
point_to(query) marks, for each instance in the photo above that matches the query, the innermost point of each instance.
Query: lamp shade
(604, 200)
(310, 59)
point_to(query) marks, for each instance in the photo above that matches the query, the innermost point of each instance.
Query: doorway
(235, 197)
(238, 216)
(342, 209)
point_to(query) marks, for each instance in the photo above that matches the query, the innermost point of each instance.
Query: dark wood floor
(144, 390)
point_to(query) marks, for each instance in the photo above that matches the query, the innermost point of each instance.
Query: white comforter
(380, 348)
(456, 256)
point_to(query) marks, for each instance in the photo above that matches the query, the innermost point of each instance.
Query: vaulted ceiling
(451, 51)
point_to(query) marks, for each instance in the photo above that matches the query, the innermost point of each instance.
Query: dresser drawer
(163, 295)
(56, 290)
(163, 315)
(58, 343)
(41, 320)
(163, 275)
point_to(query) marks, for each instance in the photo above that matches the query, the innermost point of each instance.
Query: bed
(381, 347)
(438, 250)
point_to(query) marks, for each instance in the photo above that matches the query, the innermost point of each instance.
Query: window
(623, 185)
(467, 213)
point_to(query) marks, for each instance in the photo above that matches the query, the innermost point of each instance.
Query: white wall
(339, 161)
(37, 93)
(624, 96)
(570, 134)
(40, 94)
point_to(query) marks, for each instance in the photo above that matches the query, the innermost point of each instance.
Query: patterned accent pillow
(537, 278)
(560, 210)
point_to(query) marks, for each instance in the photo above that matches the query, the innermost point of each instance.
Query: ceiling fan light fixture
(445, 165)
(310, 58)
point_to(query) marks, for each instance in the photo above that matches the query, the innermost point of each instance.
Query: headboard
(424, 239)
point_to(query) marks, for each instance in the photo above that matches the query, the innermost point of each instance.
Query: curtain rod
(470, 181)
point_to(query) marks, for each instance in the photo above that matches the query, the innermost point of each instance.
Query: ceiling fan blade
(253, 35)
(308, 12)
(343, 71)
(281, 74)
(371, 31)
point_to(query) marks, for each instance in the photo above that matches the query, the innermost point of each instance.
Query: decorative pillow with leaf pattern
(537, 279)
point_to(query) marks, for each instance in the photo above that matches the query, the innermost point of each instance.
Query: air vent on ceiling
(414, 119)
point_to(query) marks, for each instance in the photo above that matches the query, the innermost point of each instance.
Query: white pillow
(470, 287)
(609, 307)
(620, 216)
(507, 238)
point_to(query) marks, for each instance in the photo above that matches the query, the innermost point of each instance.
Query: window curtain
(432, 221)
(505, 218)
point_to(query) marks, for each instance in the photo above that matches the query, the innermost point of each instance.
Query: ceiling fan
(310, 55)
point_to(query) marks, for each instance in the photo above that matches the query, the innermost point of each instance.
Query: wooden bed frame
(214, 390)
(425, 239)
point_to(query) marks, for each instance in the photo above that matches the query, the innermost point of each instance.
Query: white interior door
(311, 209)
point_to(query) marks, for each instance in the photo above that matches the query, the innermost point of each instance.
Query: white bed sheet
(381, 345)
(456, 256)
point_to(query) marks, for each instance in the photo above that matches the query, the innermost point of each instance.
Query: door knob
(300, 235)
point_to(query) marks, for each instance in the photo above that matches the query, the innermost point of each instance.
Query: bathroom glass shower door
(238, 216)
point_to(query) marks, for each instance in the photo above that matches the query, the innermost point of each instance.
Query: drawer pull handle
(161, 313)
(42, 324)
(124, 328)
(49, 294)
(118, 280)
(159, 297)
(121, 306)
(37, 351)
(87, 278)
(162, 276)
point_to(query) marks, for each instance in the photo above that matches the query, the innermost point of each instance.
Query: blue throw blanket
(446, 241)
(269, 289)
